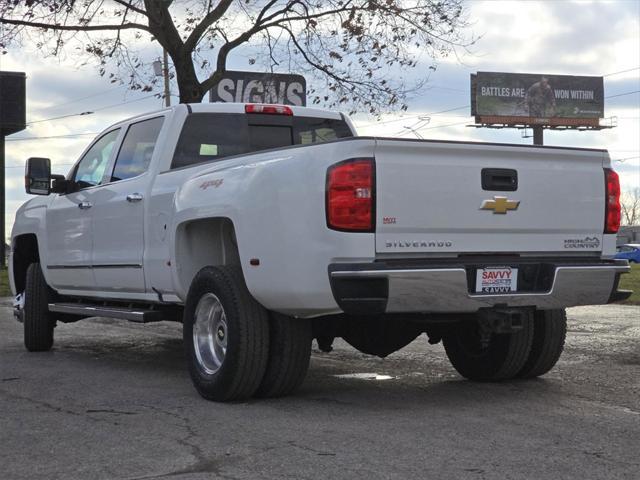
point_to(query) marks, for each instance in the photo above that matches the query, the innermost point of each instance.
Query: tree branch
(317, 65)
(223, 53)
(209, 19)
(129, 6)
(74, 28)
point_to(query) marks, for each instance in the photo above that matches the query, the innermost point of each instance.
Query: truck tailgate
(430, 198)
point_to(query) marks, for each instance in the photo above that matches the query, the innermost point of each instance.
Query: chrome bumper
(436, 290)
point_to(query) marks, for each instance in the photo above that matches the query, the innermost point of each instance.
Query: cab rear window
(213, 136)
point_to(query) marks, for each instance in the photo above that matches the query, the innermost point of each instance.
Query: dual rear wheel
(527, 353)
(235, 348)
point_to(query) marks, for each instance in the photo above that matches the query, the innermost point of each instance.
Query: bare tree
(356, 50)
(630, 203)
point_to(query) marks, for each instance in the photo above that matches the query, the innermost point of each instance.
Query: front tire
(550, 331)
(38, 322)
(502, 359)
(226, 335)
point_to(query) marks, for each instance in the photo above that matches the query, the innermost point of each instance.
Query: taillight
(267, 109)
(612, 207)
(351, 195)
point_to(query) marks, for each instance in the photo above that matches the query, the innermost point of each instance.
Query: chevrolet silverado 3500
(262, 227)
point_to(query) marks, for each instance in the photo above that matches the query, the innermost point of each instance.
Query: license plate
(496, 280)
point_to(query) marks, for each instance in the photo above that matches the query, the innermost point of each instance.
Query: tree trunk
(162, 27)
(189, 87)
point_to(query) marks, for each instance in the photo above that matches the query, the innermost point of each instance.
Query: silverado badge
(500, 205)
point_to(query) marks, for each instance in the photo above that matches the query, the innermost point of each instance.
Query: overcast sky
(553, 37)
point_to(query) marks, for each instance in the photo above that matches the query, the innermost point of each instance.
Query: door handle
(85, 205)
(134, 197)
(499, 179)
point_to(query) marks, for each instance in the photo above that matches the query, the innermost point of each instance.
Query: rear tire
(289, 355)
(550, 331)
(38, 322)
(502, 359)
(226, 335)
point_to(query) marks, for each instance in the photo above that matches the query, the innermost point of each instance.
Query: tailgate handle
(499, 179)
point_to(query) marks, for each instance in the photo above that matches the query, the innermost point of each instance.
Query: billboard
(256, 87)
(12, 102)
(537, 99)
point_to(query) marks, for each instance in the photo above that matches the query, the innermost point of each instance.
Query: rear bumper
(381, 287)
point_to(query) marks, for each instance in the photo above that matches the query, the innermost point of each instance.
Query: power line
(623, 94)
(442, 126)
(90, 112)
(81, 98)
(627, 158)
(61, 116)
(622, 71)
(411, 117)
(414, 130)
(124, 103)
(70, 135)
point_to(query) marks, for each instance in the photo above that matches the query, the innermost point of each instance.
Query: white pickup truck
(262, 227)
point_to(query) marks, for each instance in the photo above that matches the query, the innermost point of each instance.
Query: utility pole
(2, 202)
(165, 73)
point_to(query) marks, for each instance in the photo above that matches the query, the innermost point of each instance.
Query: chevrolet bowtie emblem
(499, 205)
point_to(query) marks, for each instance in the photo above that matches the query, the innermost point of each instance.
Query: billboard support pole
(538, 135)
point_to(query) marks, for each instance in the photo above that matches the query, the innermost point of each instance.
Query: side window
(310, 130)
(317, 135)
(137, 149)
(91, 168)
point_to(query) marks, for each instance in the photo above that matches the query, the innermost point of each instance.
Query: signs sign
(255, 87)
(537, 99)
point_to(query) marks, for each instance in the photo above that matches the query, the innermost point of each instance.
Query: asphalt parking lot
(114, 400)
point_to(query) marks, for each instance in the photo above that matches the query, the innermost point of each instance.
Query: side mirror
(37, 176)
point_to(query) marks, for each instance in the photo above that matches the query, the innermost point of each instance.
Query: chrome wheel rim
(210, 333)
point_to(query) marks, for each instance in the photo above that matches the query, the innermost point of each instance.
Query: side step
(139, 315)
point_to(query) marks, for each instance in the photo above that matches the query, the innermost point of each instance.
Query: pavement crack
(51, 407)
(202, 462)
(41, 403)
(311, 449)
(109, 410)
(331, 400)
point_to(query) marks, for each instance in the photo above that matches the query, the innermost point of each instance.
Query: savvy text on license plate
(496, 280)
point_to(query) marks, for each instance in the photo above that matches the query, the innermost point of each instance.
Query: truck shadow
(411, 380)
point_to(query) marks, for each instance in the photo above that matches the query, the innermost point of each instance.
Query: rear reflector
(268, 109)
(612, 207)
(351, 195)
